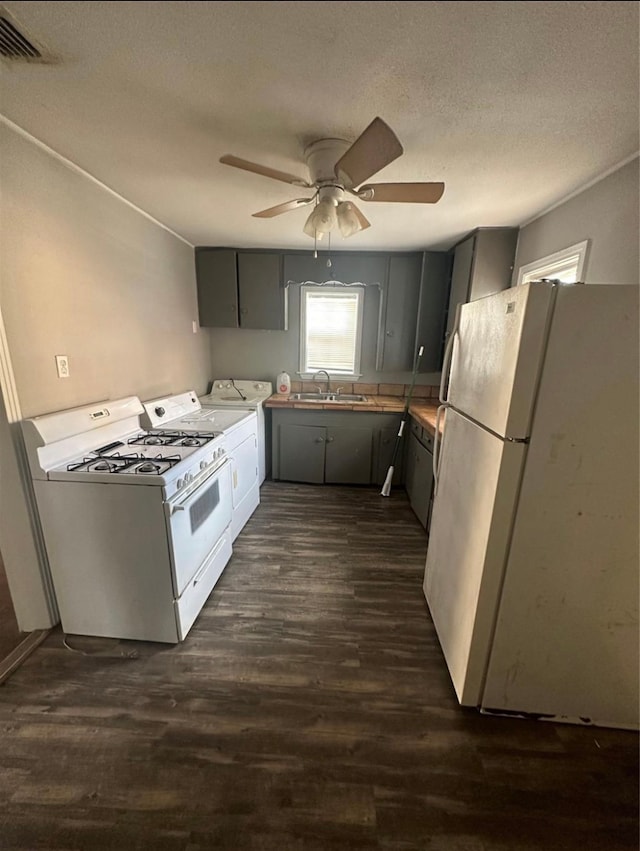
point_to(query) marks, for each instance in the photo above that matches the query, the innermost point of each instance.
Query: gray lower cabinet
(341, 447)
(419, 472)
(348, 455)
(302, 450)
(386, 443)
(335, 454)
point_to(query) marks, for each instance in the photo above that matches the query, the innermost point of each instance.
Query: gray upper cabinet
(398, 312)
(240, 289)
(262, 294)
(412, 311)
(434, 286)
(300, 268)
(346, 267)
(482, 264)
(354, 268)
(217, 279)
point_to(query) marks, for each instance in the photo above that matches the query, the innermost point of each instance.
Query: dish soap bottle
(284, 384)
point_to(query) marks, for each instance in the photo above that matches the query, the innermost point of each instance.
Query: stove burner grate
(134, 463)
(159, 437)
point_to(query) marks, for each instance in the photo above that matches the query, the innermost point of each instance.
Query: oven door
(196, 520)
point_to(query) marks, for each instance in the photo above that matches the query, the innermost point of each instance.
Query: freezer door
(497, 356)
(470, 528)
(566, 642)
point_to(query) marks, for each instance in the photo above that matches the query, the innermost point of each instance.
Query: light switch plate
(62, 365)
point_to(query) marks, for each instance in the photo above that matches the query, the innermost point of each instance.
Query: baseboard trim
(26, 647)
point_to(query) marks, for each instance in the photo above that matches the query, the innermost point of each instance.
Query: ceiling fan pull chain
(329, 252)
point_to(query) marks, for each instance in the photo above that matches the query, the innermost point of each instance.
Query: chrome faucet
(328, 379)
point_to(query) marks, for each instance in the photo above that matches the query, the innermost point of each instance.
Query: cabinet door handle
(389, 333)
(330, 439)
(319, 440)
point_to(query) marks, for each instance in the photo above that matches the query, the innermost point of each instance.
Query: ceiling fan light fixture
(335, 167)
(310, 230)
(322, 218)
(348, 221)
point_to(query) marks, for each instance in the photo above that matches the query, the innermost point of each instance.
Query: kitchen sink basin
(327, 397)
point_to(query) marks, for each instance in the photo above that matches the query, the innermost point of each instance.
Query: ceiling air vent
(14, 44)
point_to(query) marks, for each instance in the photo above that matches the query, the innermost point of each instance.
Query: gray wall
(607, 215)
(86, 275)
(83, 274)
(243, 353)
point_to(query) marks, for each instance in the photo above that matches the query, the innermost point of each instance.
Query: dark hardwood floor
(309, 710)
(10, 635)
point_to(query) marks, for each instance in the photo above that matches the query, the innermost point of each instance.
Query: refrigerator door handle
(436, 448)
(446, 361)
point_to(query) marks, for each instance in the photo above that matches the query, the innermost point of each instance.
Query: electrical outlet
(62, 365)
(194, 326)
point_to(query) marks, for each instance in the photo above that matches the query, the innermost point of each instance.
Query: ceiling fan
(337, 169)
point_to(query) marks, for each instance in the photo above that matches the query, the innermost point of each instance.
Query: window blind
(331, 331)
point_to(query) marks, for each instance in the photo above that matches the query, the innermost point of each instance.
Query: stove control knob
(203, 465)
(160, 412)
(179, 483)
(188, 477)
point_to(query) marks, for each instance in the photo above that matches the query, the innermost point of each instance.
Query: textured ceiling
(513, 105)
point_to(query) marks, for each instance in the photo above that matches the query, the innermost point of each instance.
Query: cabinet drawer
(194, 596)
(427, 439)
(421, 434)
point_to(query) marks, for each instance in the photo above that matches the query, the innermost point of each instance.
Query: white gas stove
(183, 413)
(137, 523)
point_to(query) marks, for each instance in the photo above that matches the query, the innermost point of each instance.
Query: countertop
(423, 411)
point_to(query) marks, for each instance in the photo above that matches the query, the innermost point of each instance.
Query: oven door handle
(194, 486)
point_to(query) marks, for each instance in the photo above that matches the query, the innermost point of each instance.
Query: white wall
(84, 274)
(607, 215)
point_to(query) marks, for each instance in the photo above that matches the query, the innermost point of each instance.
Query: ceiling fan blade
(283, 208)
(265, 171)
(409, 193)
(376, 147)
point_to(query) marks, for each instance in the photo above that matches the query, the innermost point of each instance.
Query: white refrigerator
(532, 576)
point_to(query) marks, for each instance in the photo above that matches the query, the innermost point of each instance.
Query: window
(566, 266)
(331, 329)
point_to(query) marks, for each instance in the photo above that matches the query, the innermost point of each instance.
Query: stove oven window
(204, 506)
